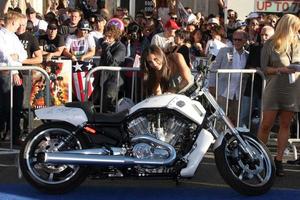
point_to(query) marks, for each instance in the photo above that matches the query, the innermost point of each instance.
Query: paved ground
(207, 184)
(207, 174)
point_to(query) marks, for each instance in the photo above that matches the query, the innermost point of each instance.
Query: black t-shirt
(51, 45)
(66, 30)
(185, 51)
(254, 61)
(30, 43)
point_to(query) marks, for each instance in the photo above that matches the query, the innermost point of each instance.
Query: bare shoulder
(176, 56)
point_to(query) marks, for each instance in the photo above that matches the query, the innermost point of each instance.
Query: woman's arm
(265, 63)
(278, 70)
(157, 89)
(184, 71)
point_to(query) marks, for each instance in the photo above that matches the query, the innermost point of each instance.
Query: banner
(277, 6)
(79, 71)
(183, 14)
(59, 72)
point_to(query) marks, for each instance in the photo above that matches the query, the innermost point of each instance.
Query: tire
(51, 178)
(243, 175)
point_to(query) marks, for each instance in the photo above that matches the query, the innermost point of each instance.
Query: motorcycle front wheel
(246, 176)
(52, 178)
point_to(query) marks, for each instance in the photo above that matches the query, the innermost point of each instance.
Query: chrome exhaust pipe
(100, 157)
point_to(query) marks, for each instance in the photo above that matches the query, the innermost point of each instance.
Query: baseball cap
(84, 25)
(239, 24)
(52, 26)
(252, 15)
(30, 10)
(172, 24)
(213, 21)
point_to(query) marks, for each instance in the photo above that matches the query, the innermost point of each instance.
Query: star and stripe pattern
(79, 72)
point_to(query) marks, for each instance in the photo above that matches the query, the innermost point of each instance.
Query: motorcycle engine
(163, 126)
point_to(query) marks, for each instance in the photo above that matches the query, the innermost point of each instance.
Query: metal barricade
(10, 150)
(296, 140)
(117, 70)
(251, 73)
(242, 84)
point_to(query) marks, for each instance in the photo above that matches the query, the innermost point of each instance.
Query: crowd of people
(167, 48)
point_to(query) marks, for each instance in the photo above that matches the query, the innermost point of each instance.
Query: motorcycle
(163, 136)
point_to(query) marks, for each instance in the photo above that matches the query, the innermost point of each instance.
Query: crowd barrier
(10, 149)
(253, 121)
(132, 87)
(136, 92)
(244, 77)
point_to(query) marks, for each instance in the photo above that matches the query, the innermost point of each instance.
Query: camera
(133, 36)
(133, 31)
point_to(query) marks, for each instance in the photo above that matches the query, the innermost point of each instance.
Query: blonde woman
(280, 97)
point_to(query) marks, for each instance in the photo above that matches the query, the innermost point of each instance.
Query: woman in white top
(217, 42)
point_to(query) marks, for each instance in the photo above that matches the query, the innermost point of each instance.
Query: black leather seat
(110, 117)
(94, 117)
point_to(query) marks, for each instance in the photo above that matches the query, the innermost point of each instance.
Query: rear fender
(74, 116)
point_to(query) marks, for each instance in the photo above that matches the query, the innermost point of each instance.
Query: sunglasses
(175, 18)
(237, 39)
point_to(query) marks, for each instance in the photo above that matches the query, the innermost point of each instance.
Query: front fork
(220, 114)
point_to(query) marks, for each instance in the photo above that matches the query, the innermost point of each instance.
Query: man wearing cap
(165, 40)
(80, 46)
(40, 26)
(52, 44)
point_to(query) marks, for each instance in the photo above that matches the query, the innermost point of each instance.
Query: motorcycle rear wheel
(246, 176)
(51, 178)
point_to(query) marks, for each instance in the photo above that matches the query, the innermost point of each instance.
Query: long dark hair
(150, 77)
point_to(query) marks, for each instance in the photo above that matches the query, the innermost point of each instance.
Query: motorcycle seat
(110, 118)
(94, 117)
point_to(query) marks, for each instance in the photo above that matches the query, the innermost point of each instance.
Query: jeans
(246, 114)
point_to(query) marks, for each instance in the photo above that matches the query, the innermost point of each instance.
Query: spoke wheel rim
(252, 173)
(46, 141)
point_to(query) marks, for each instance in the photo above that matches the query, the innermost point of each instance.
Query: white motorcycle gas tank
(75, 116)
(184, 105)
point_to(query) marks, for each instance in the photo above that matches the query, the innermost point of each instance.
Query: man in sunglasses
(229, 58)
(253, 62)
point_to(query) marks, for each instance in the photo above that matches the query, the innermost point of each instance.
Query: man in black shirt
(31, 45)
(71, 27)
(51, 44)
